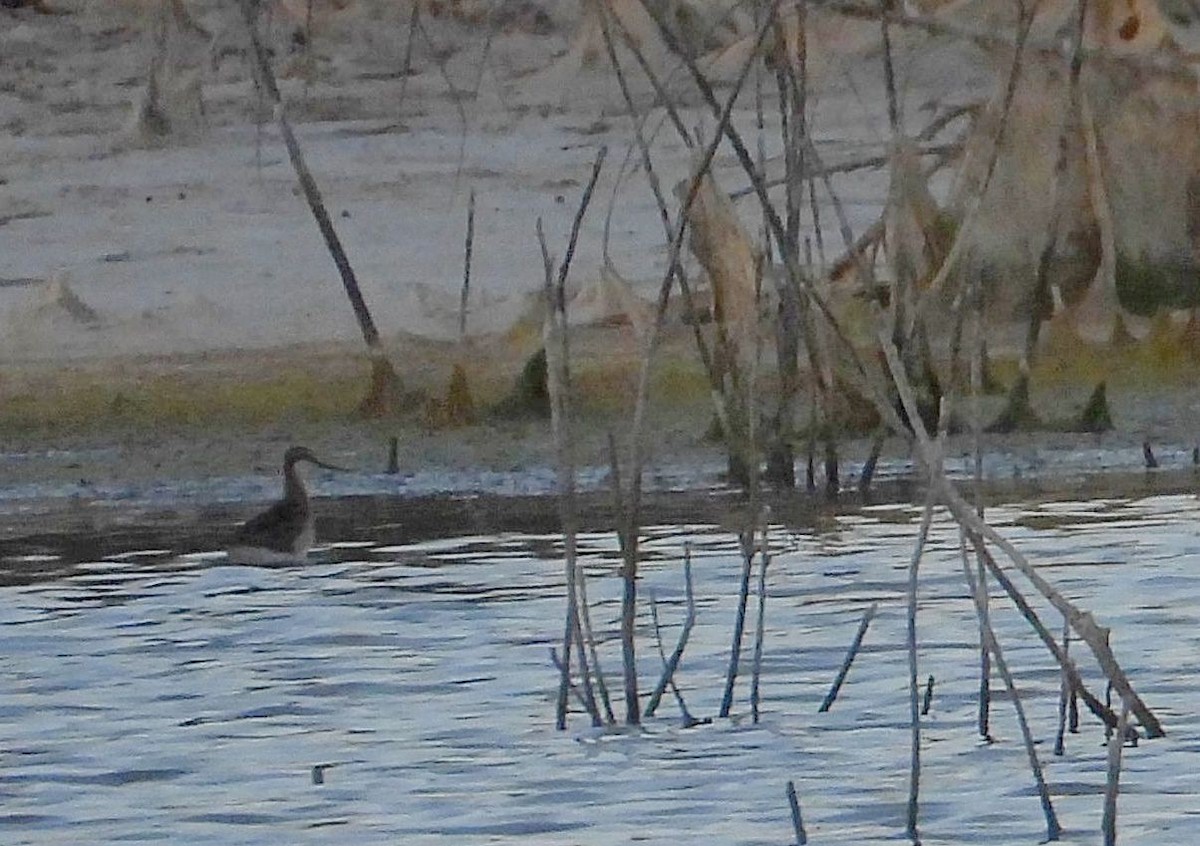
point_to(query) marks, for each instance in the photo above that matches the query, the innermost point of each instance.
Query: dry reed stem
(867, 476)
(739, 621)
(664, 215)
(629, 546)
(1064, 696)
(1098, 708)
(455, 96)
(1081, 621)
(642, 393)
(1163, 63)
(406, 69)
(670, 665)
(976, 379)
(556, 340)
(385, 383)
(889, 73)
(556, 337)
(791, 262)
(975, 201)
(1101, 299)
(467, 250)
(663, 96)
(764, 560)
(1072, 122)
(566, 670)
(940, 151)
(914, 690)
(851, 654)
(1053, 829)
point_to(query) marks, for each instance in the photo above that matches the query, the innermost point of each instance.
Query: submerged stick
(1112, 784)
(851, 654)
(797, 820)
(566, 671)
(739, 621)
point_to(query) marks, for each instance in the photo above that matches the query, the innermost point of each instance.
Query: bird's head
(297, 454)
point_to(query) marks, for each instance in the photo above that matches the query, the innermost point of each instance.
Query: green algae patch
(95, 400)
(1165, 357)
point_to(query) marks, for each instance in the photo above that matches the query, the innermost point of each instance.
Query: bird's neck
(293, 485)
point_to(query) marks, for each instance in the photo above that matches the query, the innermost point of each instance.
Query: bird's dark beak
(332, 467)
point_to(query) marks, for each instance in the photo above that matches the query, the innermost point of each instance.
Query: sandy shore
(168, 314)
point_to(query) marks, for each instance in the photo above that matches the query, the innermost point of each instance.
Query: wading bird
(284, 532)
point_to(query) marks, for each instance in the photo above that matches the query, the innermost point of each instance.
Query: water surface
(398, 688)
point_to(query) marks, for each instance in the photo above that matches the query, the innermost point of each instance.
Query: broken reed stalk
(1081, 622)
(1098, 708)
(1112, 784)
(671, 664)
(764, 560)
(914, 690)
(557, 344)
(797, 820)
(688, 719)
(1053, 829)
(384, 383)
(851, 654)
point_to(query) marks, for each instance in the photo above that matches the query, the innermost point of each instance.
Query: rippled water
(401, 692)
